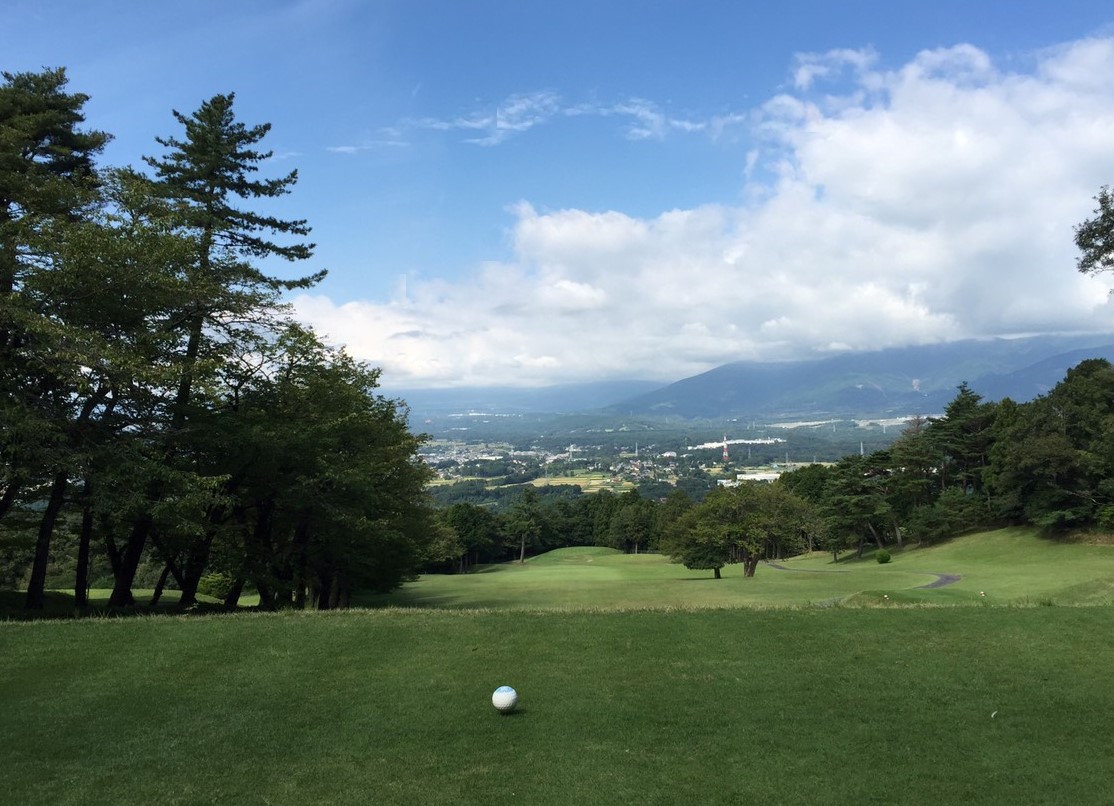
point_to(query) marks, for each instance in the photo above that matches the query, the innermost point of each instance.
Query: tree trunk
(129, 563)
(325, 584)
(266, 595)
(112, 551)
(232, 598)
(717, 573)
(137, 541)
(194, 568)
(522, 549)
(334, 592)
(36, 598)
(301, 570)
(81, 575)
(160, 585)
(750, 564)
(9, 496)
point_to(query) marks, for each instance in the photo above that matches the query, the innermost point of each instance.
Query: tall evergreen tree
(47, 184)
(46, 174)
(209, 174)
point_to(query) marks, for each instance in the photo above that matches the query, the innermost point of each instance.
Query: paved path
(942, 580)
(781, 567)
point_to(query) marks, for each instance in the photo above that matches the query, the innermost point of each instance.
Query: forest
(165, 420)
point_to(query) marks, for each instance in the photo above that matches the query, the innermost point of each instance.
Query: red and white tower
(725, 456)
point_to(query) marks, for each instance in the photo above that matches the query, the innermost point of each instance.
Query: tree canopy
(164, 419)
(1095, 236)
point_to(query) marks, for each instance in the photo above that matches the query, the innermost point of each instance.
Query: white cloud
(517, 114)
(931, 202)
(813, 66)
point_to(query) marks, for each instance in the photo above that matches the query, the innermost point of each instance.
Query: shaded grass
(60, 604)
(939, 705)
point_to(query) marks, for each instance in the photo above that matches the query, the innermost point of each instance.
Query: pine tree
(209, 175)
(47, 183)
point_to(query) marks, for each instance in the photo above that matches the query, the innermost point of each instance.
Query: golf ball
(504, 699)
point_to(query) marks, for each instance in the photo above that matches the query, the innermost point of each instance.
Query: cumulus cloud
(926, 203)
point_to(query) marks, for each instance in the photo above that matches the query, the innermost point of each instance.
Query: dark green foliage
(743, 524)
(216, 585)
(164, 424)
(478, 532)
(632, 524)
(1053, 461)
(1095, 237)
(962, 440)
(212, 167)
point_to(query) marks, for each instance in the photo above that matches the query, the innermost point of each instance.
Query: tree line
(165, 420)
(1047, 463)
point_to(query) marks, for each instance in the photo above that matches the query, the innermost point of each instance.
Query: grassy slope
(938, 705)
(1009, 565)
(885, 704)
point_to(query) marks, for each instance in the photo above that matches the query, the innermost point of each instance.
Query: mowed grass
(1009, 566)
(817, 706)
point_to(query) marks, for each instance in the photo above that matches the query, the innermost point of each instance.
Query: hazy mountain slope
(565, 398)
(900, 381)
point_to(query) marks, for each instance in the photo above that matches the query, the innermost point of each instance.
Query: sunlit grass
(936, 705)
(1009, 566)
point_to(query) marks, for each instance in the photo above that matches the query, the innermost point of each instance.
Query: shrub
(215, 585)
(882, 556)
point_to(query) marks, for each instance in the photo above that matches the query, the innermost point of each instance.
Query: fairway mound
(573, 554)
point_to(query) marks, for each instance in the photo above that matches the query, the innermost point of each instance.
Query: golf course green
(1008, 566)
(812, 687)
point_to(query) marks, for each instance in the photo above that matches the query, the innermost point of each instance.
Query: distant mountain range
(563, 399)
(896, 382)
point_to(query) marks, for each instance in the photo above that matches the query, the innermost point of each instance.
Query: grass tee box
(841, 706)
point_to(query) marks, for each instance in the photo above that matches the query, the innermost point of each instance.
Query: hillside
(898, 382)
(895, 382)
(1010, 566)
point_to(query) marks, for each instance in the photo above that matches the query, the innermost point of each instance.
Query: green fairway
(1009, 566)
(842, 706)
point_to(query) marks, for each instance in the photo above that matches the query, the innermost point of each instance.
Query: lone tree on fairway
(743, 524)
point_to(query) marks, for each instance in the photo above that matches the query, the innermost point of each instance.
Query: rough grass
(867, 706)
(1008, 566)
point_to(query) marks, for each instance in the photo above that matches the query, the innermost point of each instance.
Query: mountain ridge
(894, 381)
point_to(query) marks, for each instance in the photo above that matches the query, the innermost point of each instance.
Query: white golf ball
(504, 699)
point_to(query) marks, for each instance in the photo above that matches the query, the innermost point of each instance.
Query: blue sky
(531, 193)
